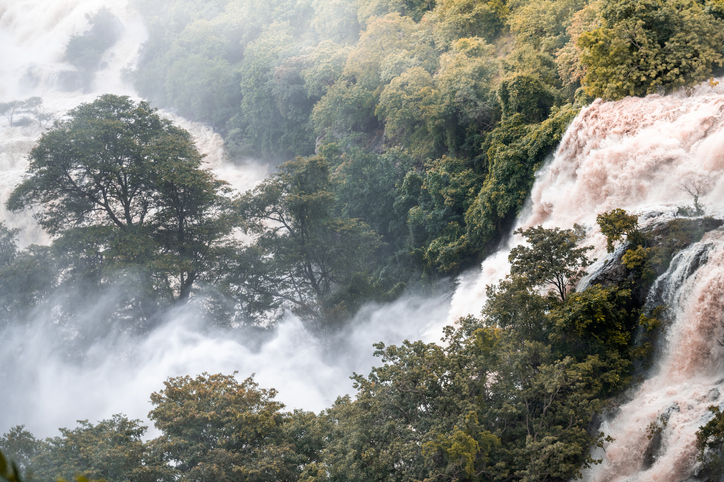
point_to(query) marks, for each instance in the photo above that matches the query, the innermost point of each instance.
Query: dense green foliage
(406, 135)
(429, 81)
(644, 47)
(311, 254)
(475, 94)
(123, 194)
(509, 395)
(551, 259)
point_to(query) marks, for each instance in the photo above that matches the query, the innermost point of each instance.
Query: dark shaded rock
(667, 239)
(656, 436)
(612, 273)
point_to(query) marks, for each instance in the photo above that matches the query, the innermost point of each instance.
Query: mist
(637, 154)
(58, 373)
(53, 384)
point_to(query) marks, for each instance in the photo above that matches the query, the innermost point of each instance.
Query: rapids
(644, 155)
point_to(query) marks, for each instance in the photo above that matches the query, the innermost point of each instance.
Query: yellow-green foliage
(455, 19)
(635, 258)
(617, 225)
(648, 46)
(710, 442)
(464, 448)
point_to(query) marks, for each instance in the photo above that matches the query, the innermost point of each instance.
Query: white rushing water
(635, 154)
(641, 154)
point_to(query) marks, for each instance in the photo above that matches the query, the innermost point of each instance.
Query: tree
(518, 307)
(526, 95)
(20, 446)
(553, 258)
(389, 46)
(512, 153)
(275, 107)
(32, 106)
(455, 19)
(485, 406)
(216, 428)
(111, 450)
(437, 223)
(595, 321)
(617, 224)
(694, 189)
(120, 177)
(306, 256)
(710, 442)
(646, 46)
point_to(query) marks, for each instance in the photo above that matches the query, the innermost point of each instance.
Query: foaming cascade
(655, 433)
(647, 156)
(638, 154)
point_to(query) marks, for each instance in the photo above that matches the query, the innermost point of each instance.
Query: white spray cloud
(50, 378)
(117, 372)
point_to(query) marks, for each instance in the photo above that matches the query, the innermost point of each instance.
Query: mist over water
(118, 372)
(636, 154)
(53, 378)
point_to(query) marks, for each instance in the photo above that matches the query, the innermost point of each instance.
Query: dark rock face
(612, 273)
(660, 232)
(667, 238)
(655, 436)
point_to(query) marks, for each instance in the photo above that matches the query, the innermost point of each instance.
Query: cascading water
(645, 155)
(655, 433)
(636, 154)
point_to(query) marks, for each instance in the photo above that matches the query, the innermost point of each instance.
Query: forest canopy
(405, 137)
(474, 95)
(508, 395)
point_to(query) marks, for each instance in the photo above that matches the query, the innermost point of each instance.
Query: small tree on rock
(552, 258)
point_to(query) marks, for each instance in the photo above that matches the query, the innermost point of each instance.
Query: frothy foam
(644, 155)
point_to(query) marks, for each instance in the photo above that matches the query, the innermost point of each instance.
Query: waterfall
(686, 379)
(638, 154)
(641, 154)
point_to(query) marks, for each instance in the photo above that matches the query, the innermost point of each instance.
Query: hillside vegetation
(509, 395)
(406, 135)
